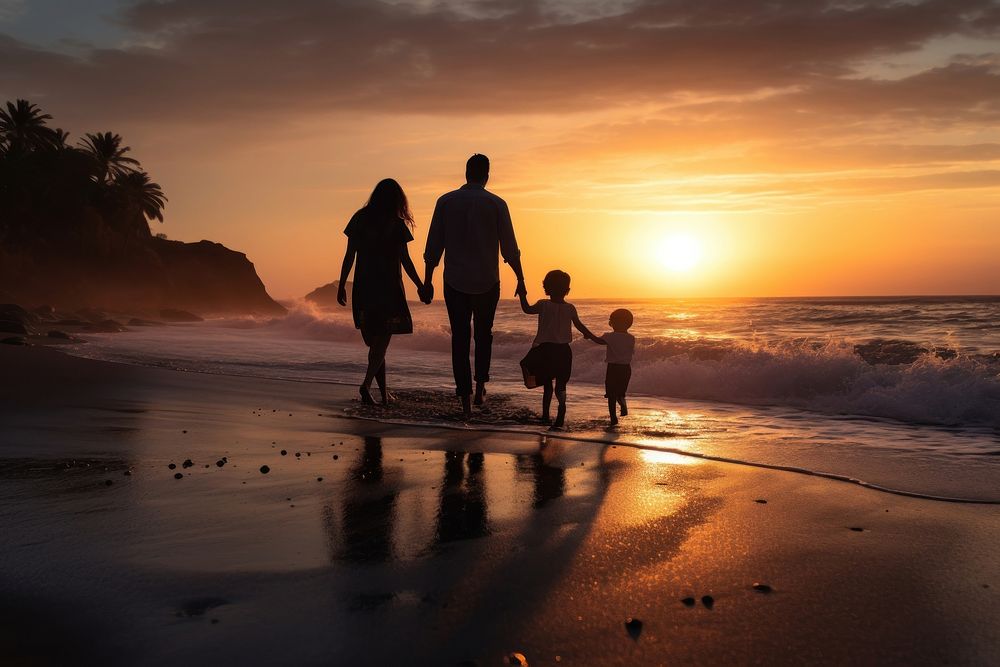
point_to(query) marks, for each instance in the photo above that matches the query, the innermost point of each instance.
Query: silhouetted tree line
(92, 194)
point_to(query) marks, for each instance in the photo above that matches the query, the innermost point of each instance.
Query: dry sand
(440, 547)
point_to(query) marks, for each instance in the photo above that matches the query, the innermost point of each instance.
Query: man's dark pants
(470, 313)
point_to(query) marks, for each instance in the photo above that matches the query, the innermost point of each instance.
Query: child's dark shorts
(551, 361)
(616, 380)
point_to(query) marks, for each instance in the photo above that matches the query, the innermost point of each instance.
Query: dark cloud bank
(213, 58)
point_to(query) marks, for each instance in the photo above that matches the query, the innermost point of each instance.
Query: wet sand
(368, 543)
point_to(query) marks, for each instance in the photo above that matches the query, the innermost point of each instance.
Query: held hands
(521, 290)
(426, 293)
(342, 295)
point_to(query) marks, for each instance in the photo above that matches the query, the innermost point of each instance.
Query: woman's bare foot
(480, 396)
(387, 396)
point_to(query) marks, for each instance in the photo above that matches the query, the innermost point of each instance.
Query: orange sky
(810, 148)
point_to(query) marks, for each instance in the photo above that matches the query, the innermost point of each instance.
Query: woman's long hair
(389, 200)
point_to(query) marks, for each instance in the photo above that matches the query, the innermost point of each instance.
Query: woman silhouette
(377, 235)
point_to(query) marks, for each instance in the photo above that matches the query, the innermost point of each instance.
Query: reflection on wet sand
(369, 506)
(462, 513)
(549, 481)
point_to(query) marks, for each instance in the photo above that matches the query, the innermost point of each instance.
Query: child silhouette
(551, 359)
(621, 346)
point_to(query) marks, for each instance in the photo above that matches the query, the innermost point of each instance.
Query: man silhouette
(468, 226)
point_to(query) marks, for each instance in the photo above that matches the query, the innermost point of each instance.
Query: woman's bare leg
(376, 359)
(547, 401)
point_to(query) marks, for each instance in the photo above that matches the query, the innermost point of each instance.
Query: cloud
(218, 57)
(10, 9)
(710, 87)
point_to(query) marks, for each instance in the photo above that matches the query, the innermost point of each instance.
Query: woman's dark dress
(378, 297)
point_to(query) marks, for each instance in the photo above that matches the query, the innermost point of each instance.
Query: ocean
(902, 394)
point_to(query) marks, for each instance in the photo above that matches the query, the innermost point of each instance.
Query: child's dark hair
(621, 319)
(556, 283)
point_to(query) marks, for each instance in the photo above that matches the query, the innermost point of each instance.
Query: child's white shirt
(620, 347)
(555, 322)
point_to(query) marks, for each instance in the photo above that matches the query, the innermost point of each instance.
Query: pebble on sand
(264, 470)
(127, 473)
(761, 501)
(187, 463)
(220, 463)
(108, 482)
(284, 452)
(172, 466)
(335, 457)
(178, 475)
(762, 588)
(708, 601)
(319, 479)
(688, 602)
(857, 529)
(634, 627)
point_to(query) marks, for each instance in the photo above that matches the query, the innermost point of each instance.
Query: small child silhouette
(621, 347)
(551, 359)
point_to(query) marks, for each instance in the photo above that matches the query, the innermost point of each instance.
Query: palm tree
(22, 127)
(141, 195)
(60, 139)
(108, 155)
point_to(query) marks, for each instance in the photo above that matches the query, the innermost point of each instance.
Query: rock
(220, 463)
(13, 326)
(857, 529)
(335, 457)
(177, 315)
(264, 469)
(172, 466)
(209, 277)
(14, 313)
(762, 588)
(761, 501)
(92, 314)
(70, 323)
(15, 340)
(688, 602)
(517, 659)
(62, 335)
(187, 463)
(284, 452)
(327, 294)
(178, 475)
(138, 322)
(319, 479)
(708, 601)
(44, 310)
(633, 626)
(127, 473)
(108, 482)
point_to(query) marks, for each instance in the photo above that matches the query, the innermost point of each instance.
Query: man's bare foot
(614, 420)
(466, 407)
(624, 408)
(545, 419)
(478, 399)
(387, 396)
(366, 395)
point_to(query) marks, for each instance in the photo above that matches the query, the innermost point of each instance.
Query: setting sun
(680, 252)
